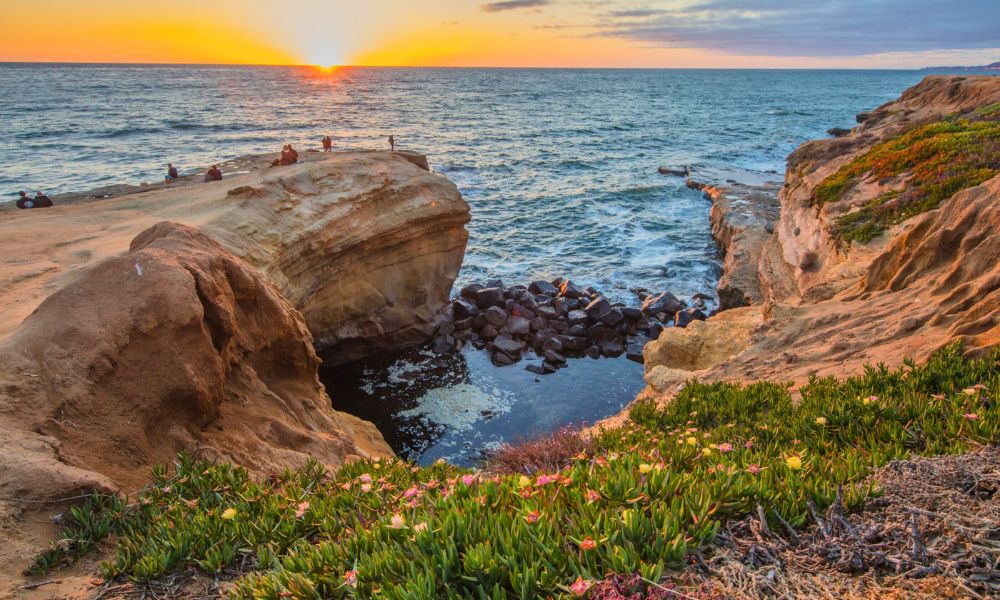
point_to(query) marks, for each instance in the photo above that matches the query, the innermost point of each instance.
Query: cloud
(513, 5)
(810, 28)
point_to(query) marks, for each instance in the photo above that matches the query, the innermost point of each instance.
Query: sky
(530, 33)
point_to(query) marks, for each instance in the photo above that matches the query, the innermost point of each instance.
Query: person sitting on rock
(293, 153)
(327, 144)
(213, 174)
(286, 156)
(23, 201)
(42, 201)
(172, 173)
(392, 143)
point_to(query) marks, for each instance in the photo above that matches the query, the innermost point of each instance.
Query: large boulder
(366, 245)
(176, 345)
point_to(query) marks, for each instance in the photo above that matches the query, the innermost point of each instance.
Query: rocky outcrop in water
(176, 345)
(557, 320)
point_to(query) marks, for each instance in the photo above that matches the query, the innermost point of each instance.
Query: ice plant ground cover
(937, 160)
(637, 501)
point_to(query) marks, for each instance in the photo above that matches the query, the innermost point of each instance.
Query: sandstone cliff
(903, 287)
(365, 244)
(175, 345)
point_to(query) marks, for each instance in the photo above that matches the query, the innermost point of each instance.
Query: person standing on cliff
(392, 143)
(327, 144)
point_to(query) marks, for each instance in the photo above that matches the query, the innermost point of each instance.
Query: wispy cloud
(840, 28)
(513, 5)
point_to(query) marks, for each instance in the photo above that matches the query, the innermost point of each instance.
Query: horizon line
(315, 65)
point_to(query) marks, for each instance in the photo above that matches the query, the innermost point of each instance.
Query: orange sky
(373, 32)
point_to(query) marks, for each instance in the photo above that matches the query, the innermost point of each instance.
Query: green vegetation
(936, 161)
(637, 500)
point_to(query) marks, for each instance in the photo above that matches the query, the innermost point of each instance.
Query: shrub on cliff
(636, 501)
(932, 161)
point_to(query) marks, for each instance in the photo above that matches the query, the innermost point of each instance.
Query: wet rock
(488, 297)
(560, 326)
(489, 332)
(631, 314)
(576, 317)
(613, 317)
(612, 349)
(446, 328)
(559, 305)
(590, 292)
(524, 312)
(569, 290)
(682, 171)
(517, 325)
(601, 333)
(463, 324)
(573, 343)
(597, 308)
(538, 323)
(838, 131)
(862, 117)
(553, 357)
(593, 352)
(443, 344)
(469, 291)
(661, 303)
(543, 288)
(508, 345)
(634, 345)
(463, 309)
(577, 331)
(552, 344)
(502, 360)
(547, 312)
(655, 329)
(686, 317)
(549, 368)
(536, 369)
(495, 316)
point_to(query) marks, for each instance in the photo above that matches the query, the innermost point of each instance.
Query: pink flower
(587, 544)
(748, 445)
(468, 479)
(365, 478)
(753, 469)
(725, 448)
(593, 496)
(579, 587)
(972, 416)
(411, 492)
(345, 486)
(366, 487)
(544, 479)
(532, 517)
(351, 578)
(303, 507)
(397, 521)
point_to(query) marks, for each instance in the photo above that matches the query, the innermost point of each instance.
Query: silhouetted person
(327, 144)
(213, 174)
(42, 201)
(23, 201)
(293, 153)
(392, 143)
(172, 173)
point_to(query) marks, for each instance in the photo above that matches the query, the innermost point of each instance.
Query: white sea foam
(459, 407)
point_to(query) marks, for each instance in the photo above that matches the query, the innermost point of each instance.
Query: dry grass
(933, 533)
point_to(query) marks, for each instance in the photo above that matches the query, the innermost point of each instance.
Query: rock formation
(175, 345)
(365, 244)
(827, 307)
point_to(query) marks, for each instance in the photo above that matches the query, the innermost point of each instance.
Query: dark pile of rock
(557, 320)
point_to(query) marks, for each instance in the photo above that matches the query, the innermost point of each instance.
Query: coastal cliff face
(176, 345)
(886, 249)
(365, 244)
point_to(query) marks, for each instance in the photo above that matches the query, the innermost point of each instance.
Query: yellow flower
(229, 513)
(706, 451)
(794, 463)
(970, 391)
(692, 441)
(821, 420)
(523, 482)
(644, 468)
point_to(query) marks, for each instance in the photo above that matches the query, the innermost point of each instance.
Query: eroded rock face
(175, 345)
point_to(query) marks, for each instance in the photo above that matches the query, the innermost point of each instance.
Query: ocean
(559, 167)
